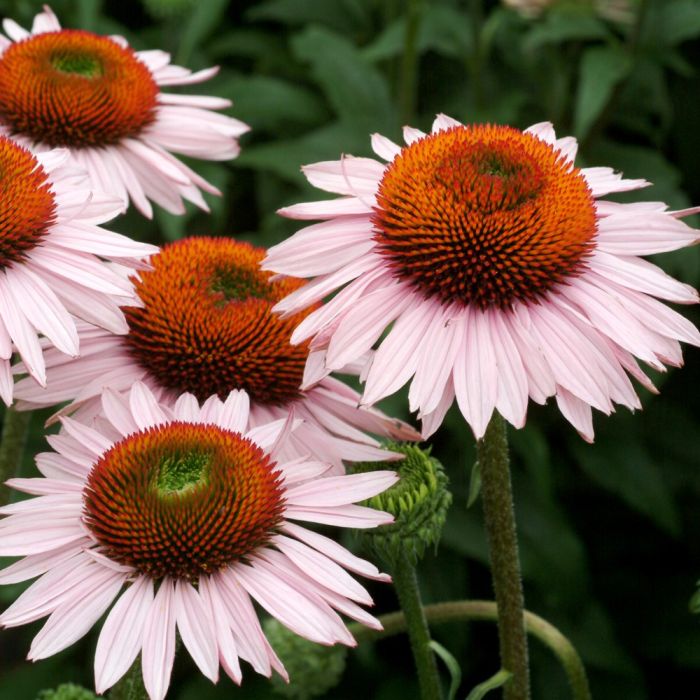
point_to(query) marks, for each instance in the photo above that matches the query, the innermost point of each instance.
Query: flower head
(502, 273)
(204, 325)
(51, 259)
(192, 511)
(102, 100)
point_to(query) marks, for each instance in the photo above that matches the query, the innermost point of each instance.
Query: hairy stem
(406, 584)
(12, 442)
(499, 518)
(487, 611)
(130, 686)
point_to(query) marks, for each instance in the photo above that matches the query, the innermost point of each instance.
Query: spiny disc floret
(182, 500)
(74, 88)
(484, 215)
(207, 327)
(27, 205)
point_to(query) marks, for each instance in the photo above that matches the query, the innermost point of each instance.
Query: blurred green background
(610, 533)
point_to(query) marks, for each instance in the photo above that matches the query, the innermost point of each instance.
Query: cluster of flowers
(199, 420)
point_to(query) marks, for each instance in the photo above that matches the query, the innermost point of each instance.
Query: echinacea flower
(502, 273)
(103, 101)
(204, 325)
(192, 511)
(51, 251)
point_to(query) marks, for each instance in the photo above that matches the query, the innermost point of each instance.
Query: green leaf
(694, 604)
(559, 26)
(602, 68)
(678, 21)
(285, 158)
(343, 15)
(452, 667)
(272, 104)
(474, 485)
(202, 21)
(444, 30)
(243, 42)
(496, 681)
(356, 90)
(172, 226)
(626, 469)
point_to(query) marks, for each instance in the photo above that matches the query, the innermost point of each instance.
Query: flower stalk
(487, 611)
(499, 518)
(406, 584)
(14, 438)
(130, 686)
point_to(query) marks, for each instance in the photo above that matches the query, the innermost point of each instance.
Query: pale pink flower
(204, 325)
(102, 100)
(52, 254)
(501, 272)
(194, 512)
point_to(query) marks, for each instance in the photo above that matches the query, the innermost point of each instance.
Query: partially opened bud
(418, 502)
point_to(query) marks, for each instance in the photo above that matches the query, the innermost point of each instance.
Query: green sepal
(418, 502)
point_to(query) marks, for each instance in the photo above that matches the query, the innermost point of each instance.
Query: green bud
(418, 502)
(313, 669)
(67, 691)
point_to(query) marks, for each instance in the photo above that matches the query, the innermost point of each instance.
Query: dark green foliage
(610, 534)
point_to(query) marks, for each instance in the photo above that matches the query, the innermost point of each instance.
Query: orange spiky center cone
(27, 206)
(207, 325)
(182, 500)
(484, 215)
(74, 88)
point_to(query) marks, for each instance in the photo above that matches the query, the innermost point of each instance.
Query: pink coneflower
(504, 274)
(49, 265)
(192, 510)
(102, 100)
(205, 326)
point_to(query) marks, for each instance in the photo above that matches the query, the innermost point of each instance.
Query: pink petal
(283, 602)
(340, 490)
(73, 619)
(195, 627)
(351, 176)
(144, 407)
(340, 516)
(225, 642)
(384, 147)
(577, 412)
(322, 570)
(158, 651)
(336, 552)
(122, 634)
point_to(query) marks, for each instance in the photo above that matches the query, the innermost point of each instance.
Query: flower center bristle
(484, 215)
(239, 283)
(180, 473)
(182, 500)
(27, 206)
(80, 64)
(74, 88)
(206, 324)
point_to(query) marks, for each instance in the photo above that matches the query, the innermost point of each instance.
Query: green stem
(486, 610)
(14, 437)
(409, 62)
(130, 686)
(406, 584)
(499, 518)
